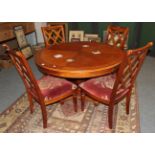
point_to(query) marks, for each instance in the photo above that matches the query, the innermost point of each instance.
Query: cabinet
(7, 36)
(7, 33)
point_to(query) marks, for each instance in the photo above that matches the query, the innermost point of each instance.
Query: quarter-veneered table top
(79, 59)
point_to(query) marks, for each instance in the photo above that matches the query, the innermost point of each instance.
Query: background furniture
(7, 30)
(45, 91)
(92, 37)
(7, 35)
(76, 36)
(24, 47)
(112, 88)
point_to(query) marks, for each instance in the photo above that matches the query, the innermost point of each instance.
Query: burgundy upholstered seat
(100, 87)
(52, 87)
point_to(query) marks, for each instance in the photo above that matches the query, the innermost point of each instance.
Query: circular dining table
(79, 60)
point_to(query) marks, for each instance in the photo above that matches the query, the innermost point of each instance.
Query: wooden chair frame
(125, 79)
(122, 34)
(48, 31)
(31, 85)
(65, 26)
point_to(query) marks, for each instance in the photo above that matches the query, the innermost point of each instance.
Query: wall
(39, 35)
(148, 34)
(31, 38)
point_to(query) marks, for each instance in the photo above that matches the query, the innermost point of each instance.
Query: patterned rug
(62, 118)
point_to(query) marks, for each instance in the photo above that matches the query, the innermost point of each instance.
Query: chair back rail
(53, 35)
(128, 72)
(27, 76)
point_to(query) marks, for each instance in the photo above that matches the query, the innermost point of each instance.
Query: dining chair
(53, 35)
(46, 90)
(112, 88)
(117, 36)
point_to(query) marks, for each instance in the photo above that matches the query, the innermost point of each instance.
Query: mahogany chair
(117, 36)
(111, 89)
(53, 35)
(46, 90)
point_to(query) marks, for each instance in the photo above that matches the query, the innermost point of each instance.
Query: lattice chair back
(26, 74)
(117, 36)
(128, 71)
(53, 35)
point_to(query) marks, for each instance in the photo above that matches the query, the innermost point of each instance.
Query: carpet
(62, 118)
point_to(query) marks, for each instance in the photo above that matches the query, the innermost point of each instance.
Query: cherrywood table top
(79, 59)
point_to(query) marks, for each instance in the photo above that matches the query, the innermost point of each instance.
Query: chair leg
(82, 101)
(31, 103)
(128, 102)
(75, 102)
(44, 115)
(110, 116)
